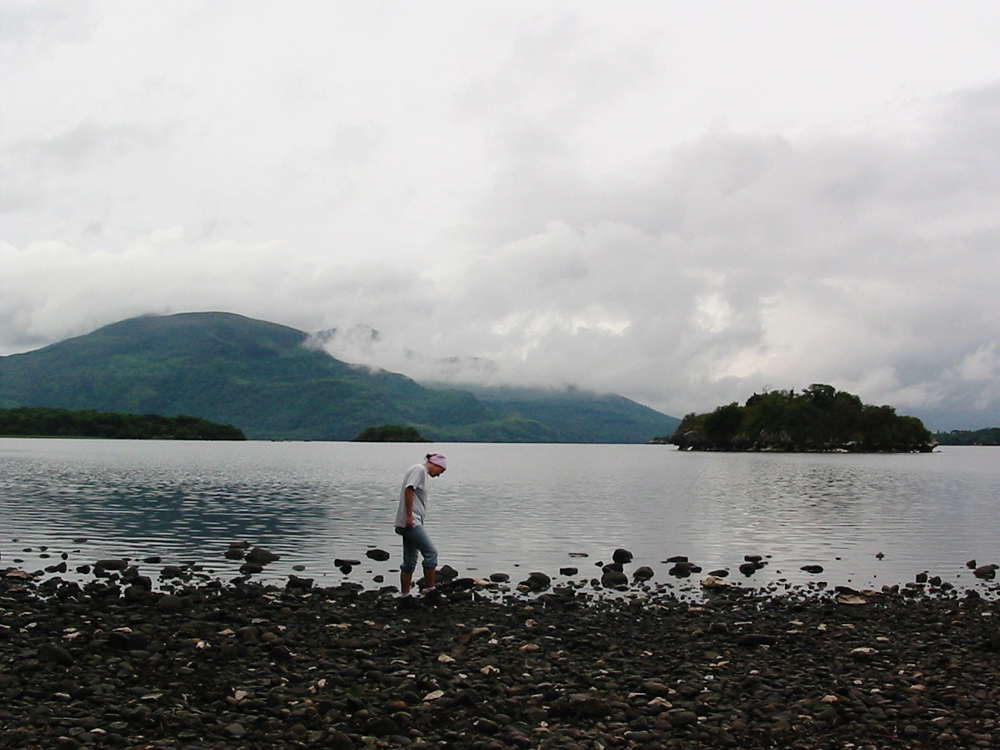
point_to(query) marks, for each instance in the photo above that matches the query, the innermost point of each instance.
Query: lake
(503, 508)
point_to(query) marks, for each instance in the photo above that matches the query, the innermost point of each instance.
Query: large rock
(115, 564)
(683, 568)
(536, 582)
(986, 572)
(622, 556)
(643, 574)
(261, 556)
(613, 577)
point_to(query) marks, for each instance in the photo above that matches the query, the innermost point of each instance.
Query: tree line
(390, 433)
(45, 422)
(986, 436)
(819, 418)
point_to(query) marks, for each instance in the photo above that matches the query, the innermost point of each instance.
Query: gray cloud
(37, 26)
(86, 144)
(548, 199)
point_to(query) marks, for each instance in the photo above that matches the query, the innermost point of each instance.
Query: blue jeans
(415, 540)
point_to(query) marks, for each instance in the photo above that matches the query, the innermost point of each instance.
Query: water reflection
(502, 507)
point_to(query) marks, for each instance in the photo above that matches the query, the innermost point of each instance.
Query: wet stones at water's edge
(494, 662)
(612, 578)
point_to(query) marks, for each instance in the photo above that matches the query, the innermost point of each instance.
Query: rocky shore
(114, 663)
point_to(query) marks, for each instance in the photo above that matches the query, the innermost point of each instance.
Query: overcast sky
(681, 202)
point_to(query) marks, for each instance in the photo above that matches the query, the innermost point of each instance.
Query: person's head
(436, 464)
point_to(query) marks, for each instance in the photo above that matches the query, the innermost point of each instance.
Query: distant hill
(820, 418)
(583, 417)
(269, 382)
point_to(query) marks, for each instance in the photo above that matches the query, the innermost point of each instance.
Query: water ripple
(503, 507)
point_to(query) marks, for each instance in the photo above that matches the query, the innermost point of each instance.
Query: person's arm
(408, 495)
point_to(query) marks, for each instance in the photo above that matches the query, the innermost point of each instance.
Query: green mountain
(269, 382)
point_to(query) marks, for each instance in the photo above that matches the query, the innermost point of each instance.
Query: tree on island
(820, 418)
(390, 433)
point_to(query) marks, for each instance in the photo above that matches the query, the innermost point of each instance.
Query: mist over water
(501, 508)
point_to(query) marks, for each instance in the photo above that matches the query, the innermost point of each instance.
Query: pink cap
(438, 460)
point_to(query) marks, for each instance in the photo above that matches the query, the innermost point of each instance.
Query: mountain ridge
(273, 382)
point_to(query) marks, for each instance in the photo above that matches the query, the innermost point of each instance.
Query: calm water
(502, 508)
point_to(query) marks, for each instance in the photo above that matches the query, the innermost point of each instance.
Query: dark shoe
(434, 597)
(408, 602)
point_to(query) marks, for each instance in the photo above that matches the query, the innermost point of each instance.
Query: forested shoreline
(987, 436)
(44, 422)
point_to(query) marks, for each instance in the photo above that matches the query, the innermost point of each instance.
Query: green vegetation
(391, 433)
(819, 418)
(42, 422)
(274, 384)
(987, 436)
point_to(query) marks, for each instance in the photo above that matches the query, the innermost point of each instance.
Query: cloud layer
(552, 194)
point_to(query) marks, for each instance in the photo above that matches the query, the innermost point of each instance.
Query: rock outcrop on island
(820, 418)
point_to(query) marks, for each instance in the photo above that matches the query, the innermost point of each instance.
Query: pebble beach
(121, 661)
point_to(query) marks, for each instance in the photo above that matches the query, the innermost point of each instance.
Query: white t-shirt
(416, 478)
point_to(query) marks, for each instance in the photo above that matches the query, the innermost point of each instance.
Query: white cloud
(680, 203)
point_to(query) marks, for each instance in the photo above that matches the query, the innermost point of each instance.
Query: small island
(390, 433)
(44, 422)
(819, 419)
